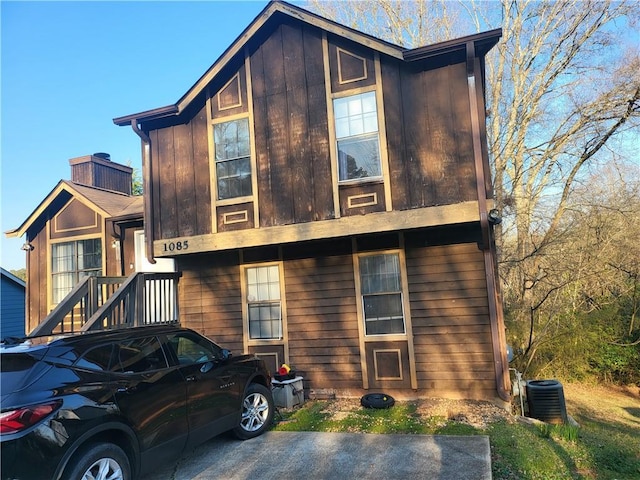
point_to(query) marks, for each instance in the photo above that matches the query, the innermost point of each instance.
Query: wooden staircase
(103, 303)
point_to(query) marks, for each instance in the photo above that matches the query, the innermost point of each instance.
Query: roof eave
(486, 40)
(62, 185)
(241, 41)
(154, 114)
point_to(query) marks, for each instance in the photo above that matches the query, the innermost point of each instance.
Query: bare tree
(564, 86)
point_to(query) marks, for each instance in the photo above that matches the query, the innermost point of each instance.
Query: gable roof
(107, 203)
(278, 11)
(10, 276)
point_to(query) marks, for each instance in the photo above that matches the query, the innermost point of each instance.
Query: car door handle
(191, 378)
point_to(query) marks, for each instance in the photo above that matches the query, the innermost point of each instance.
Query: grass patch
(605, 447)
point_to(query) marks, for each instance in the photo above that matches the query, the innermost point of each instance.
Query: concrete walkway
(310, 455)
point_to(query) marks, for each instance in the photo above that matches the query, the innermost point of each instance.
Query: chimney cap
(103, 155)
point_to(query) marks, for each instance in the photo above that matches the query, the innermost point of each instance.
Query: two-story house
(326, 197)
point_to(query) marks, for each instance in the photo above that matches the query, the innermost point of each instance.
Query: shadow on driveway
(311, 455)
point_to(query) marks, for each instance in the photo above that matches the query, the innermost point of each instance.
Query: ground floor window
(381, 294)
(263, 301)
(71, 262)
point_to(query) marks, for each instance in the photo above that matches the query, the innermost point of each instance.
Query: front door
(160, 296)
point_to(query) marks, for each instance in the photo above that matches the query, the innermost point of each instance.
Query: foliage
(21, 273)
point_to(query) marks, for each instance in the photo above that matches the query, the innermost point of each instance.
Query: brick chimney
(99, 171)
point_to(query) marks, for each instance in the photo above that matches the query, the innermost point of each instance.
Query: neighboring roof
(12, 277)
(107, 203)
(283, 10)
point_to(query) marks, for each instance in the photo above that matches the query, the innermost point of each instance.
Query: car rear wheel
(102, 461)
(257, 412)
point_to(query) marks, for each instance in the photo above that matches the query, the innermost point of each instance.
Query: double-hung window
(71, 262)
(356, 122)
(232, 145)
(264, 303)
(381, 291)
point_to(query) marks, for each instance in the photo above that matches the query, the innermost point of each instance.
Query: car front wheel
(102, 461)
(257, 412)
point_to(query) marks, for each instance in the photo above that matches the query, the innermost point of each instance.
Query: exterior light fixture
(27, 247)
(494, 217)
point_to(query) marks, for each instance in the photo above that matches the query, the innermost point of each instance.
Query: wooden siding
(210, 299)
(322, 320)
(73, 219)
(447, 298)
(291, 136)
(428, 127)
(12, 308)
(450, 315)
(360, 199)
(180, 178)
(101, 173)
(339, 51)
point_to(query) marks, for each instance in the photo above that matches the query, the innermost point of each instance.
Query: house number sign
(175, 246)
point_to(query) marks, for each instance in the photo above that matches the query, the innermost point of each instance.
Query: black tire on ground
(99, 461)
(257, 412)
(377, 400)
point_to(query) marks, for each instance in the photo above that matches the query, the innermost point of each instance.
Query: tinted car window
(16, 368)
(98, 358)
(139, 355)
(193, 348)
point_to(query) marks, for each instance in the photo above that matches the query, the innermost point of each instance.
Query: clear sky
(69, 68)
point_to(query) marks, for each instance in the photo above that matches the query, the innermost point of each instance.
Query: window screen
(263, 302)
(356, 122)
(233, 158)
(381, 290)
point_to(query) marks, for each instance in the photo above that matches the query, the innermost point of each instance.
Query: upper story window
(381, 291)
(71, 262)
(232, 145)
(264, 305)
(356, 119)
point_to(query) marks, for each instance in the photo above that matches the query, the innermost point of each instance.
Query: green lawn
(606, 446)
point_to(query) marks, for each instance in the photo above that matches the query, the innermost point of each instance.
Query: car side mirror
(206, 367)
(226, 354)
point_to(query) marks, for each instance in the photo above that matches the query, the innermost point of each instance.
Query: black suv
(111, 404)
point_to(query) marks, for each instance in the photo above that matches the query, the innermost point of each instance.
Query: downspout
(147, 190)
(495, 310)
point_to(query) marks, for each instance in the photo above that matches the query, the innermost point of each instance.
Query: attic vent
(104, 156)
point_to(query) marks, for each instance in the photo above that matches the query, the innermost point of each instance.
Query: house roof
(10, 276)
(279, 11)
(107, 203)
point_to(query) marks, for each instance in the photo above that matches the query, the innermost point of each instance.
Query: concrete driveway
(310, 455)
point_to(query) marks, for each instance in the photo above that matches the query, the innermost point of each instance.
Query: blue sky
(69, 68)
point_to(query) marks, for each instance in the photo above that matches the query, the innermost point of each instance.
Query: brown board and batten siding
(180, 178)
(428, 135)
(291, 136)
(427, 125)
